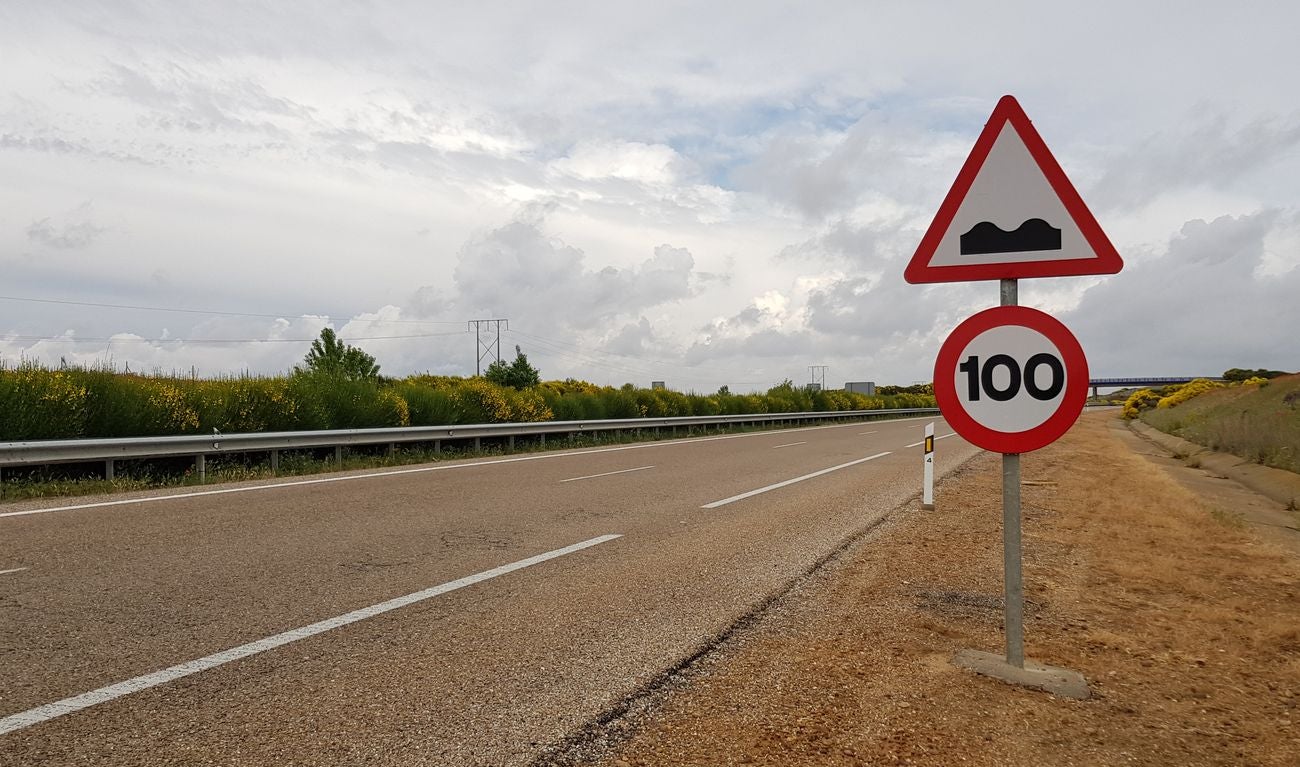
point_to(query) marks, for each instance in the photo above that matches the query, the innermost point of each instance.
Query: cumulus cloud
(1209, 151)
(746, 187)
(71, 235)
(633, 161)
(1197, 309)
(520, 272)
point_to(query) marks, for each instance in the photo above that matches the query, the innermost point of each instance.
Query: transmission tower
(817, 374)
(489, 346)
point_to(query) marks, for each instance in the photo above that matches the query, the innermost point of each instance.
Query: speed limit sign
(1011, 379)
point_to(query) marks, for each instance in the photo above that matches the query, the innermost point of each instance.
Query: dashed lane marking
(789, 482)
(922, 442)
(113, 691)
(789, 444)
(607, 474)
(417, 470)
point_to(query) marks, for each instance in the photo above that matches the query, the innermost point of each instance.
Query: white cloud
(653, 165)
(724, 197)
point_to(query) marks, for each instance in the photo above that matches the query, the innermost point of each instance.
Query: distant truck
(861, 387)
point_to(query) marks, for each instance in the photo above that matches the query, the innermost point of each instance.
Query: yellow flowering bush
(1142, 399)
(1187, 391)
(399, 413)
(40, 404)
(528, 406)
(478, 401)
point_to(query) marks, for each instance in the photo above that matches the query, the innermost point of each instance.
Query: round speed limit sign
(1011, 379)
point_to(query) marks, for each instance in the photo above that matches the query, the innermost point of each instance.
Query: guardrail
(41, 452)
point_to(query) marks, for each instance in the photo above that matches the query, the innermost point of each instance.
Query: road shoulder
(1184, 624)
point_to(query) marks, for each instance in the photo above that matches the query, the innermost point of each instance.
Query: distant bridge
(1124, 383)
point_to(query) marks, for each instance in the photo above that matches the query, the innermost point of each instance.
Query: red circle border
(1042, 435)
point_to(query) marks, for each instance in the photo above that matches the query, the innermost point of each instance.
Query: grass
(1259, 423)
(1187, 628)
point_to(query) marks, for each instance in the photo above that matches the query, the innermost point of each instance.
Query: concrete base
(927, 507)
(1060, 682)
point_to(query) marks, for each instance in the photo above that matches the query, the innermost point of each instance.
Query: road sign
(1011, 379)
(1011, 213)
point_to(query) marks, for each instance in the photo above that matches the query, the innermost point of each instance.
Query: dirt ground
(1183, 619)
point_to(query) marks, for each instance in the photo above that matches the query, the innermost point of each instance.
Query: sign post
(1011, 379)
(1013, 584)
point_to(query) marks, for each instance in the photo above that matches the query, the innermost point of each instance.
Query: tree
(1238, 374)
(518, 374)
(330, 356)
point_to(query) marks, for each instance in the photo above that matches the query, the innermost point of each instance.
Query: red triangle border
(1008, 110)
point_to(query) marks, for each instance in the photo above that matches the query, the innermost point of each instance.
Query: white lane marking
(788, 444)
(15, 570)
(417, 470)
(94, 697)
(865, 432)
(778, 485)
(922, 442)
(606, 474)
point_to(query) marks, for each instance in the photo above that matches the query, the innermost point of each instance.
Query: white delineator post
(927, 493)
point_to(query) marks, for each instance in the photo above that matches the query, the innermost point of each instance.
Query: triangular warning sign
(1011, 213)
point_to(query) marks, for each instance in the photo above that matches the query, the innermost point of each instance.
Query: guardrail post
(108, 469)
(511, 447)
(392, 449)
(275, 462)
(437, 447)
(201, 467)
(338, 455)
(478, 444)
(543, 439)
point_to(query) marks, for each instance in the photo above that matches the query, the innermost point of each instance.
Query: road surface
(461, 613)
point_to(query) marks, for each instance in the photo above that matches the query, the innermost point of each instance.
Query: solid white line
(607, 474)
(922, 442)
(418, 470)
(94, 697)
(788, 444)
(15, 570)
(752, 493)
(865, 432)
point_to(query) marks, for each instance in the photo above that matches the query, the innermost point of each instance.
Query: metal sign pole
(1013, 587)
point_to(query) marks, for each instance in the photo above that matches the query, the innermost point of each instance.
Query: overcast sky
(707, 194)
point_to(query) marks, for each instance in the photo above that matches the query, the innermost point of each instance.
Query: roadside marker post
(1011, 379)
(927, 493)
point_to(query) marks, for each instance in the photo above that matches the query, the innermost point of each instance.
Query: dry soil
(1184, 620)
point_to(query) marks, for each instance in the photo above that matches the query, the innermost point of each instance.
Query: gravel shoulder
(1184, 620)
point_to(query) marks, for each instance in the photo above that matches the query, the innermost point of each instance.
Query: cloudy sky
(707, 194)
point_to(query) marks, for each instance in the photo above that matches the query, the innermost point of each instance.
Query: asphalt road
(539, 590)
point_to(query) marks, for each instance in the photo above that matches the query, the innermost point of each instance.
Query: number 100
(981, 379)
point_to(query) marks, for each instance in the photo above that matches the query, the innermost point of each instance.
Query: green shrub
(429, 406)
(41, 404)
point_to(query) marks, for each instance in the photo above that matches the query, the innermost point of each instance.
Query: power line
(217, 312)
(214, 341)
(698, 370)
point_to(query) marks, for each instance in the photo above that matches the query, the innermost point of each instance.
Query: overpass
(1124, 383)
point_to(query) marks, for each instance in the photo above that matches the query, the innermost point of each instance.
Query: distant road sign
(1011, 379)
(1011, 213)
